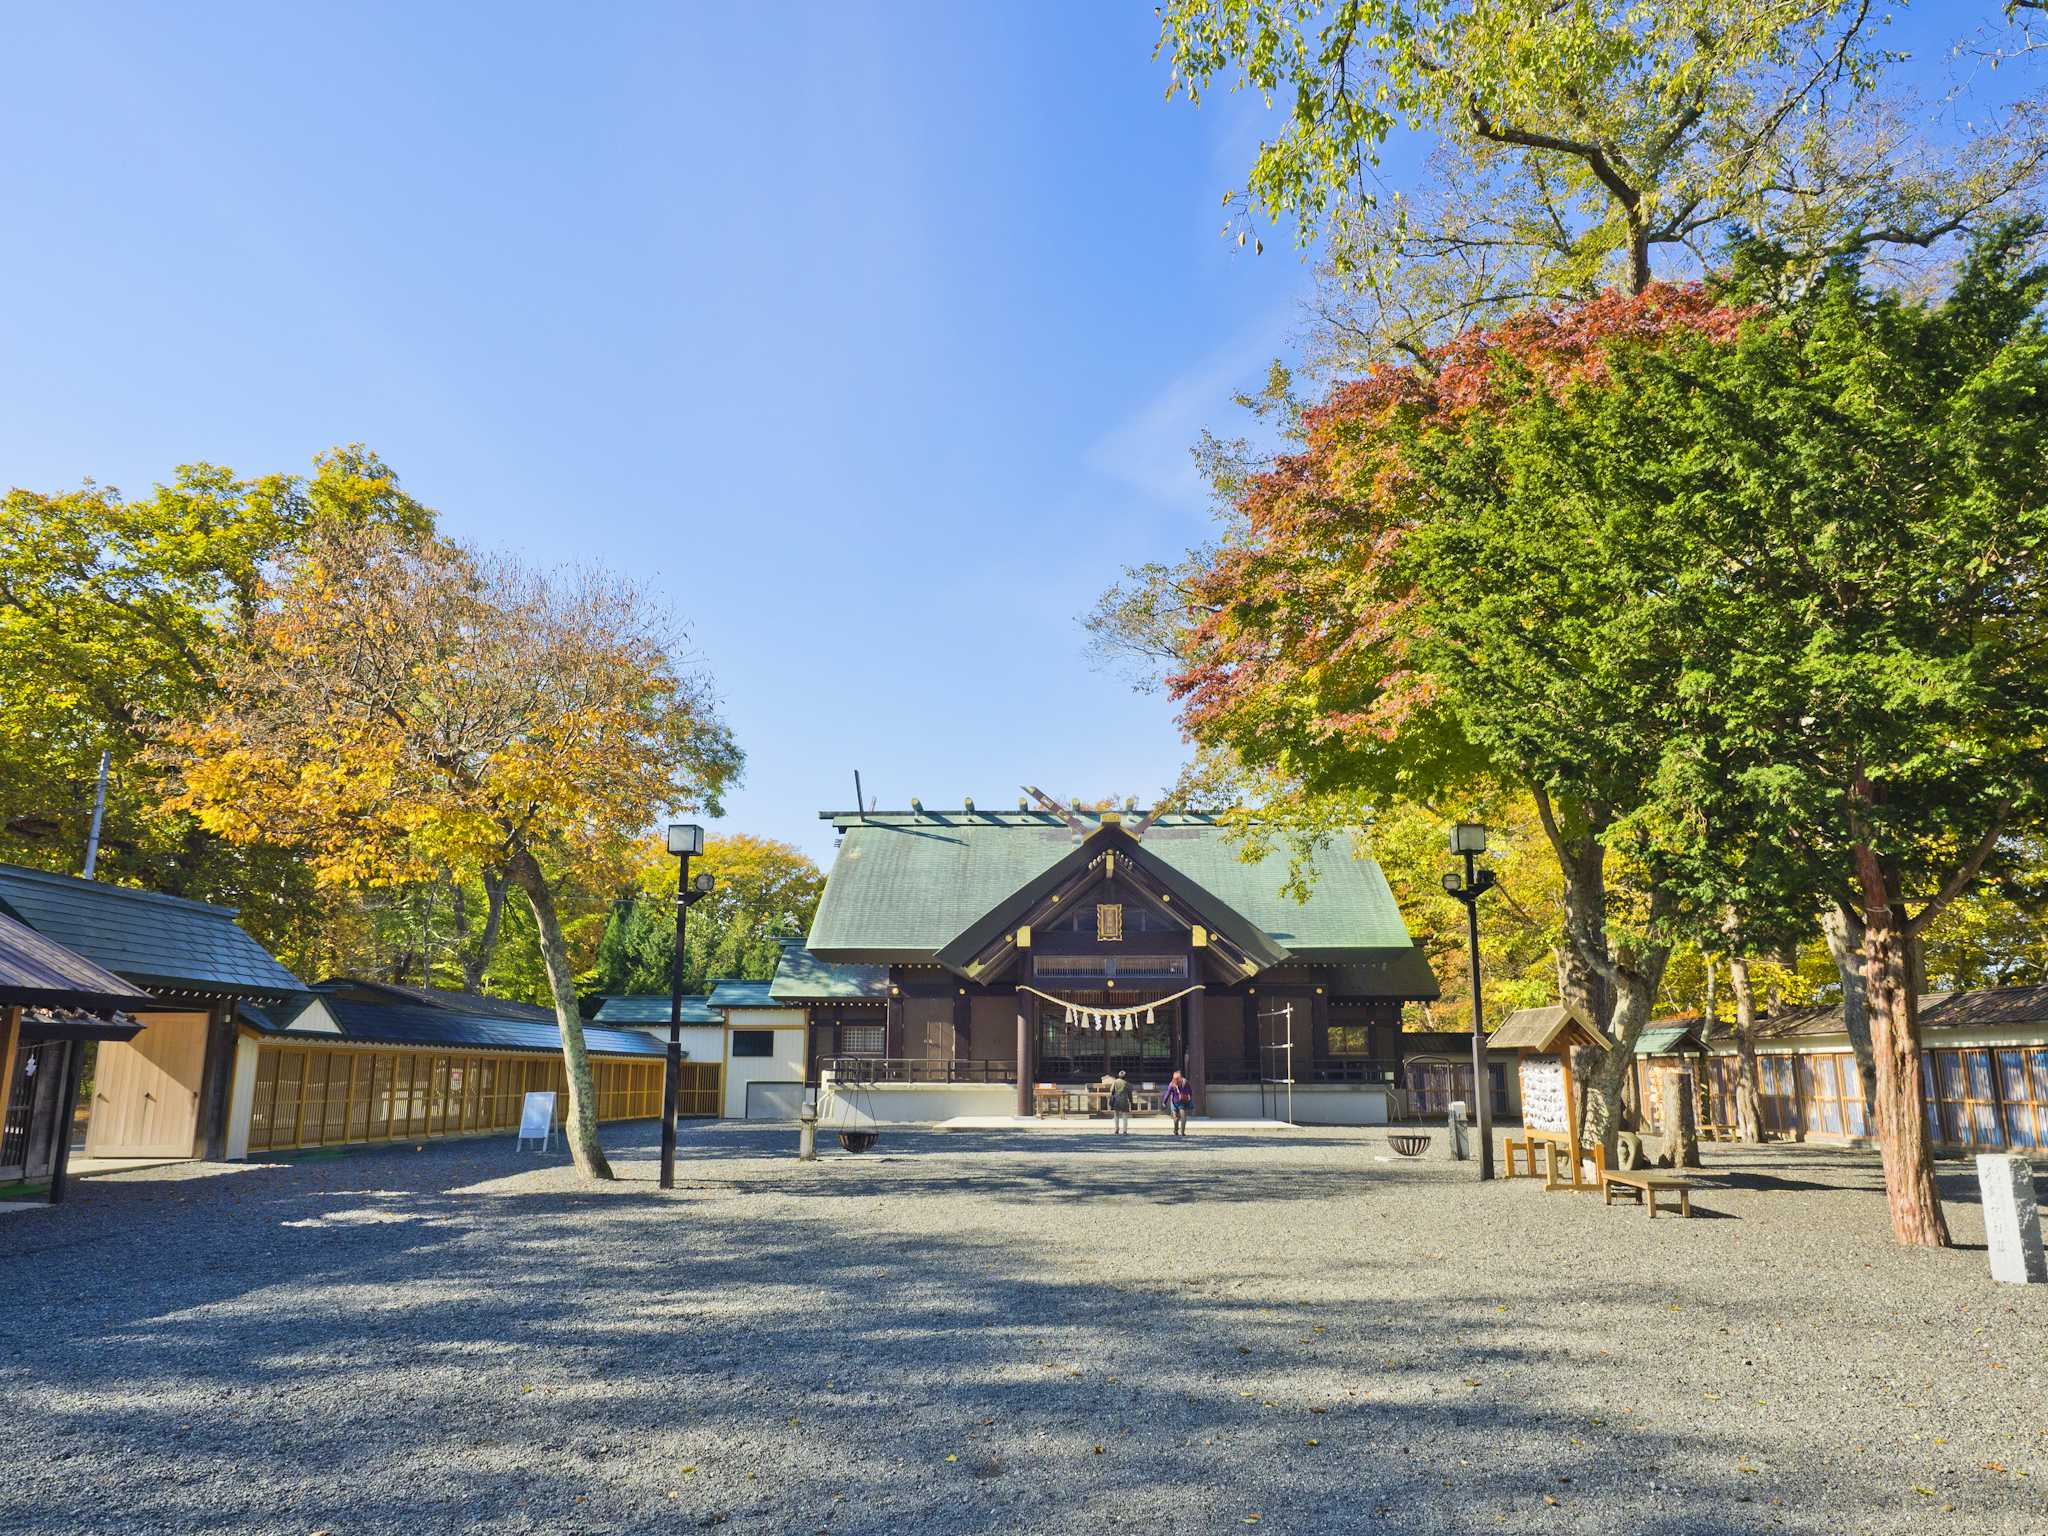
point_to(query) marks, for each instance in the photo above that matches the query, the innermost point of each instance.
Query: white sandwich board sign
(537, 1120)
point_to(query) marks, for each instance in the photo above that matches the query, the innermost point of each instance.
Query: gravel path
(978, 1332)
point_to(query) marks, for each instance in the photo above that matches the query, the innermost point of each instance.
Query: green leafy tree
(406, 707)
(766, 891)
(115, 618)
(1864, 705)
(1573, 147)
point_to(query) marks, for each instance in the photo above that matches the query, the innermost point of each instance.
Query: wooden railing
(862, 1071)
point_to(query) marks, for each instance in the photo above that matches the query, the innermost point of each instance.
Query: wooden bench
(1644, 1186)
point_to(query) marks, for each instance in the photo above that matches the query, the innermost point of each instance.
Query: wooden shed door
(146, 1093)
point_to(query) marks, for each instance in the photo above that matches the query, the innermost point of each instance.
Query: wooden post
(963, 1030)
(1026, 1034)
(1197, 1055)
(74, 1055)
(10, 1037)
(216, 1075)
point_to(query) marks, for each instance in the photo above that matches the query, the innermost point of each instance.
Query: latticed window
(1350, 1040)
(862, 1039)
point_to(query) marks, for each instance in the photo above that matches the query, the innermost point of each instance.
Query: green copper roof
(906, 884)
(1666, 1039)
(803, 978)
(652, 1008)
(740, 994)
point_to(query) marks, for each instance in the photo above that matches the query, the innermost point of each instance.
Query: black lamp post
(685, 841)
(1468, 839)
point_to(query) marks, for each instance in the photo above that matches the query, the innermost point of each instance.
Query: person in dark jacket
(1120, 1104)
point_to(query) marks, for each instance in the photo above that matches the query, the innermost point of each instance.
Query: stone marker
(807, 1134)
(1681, 1130)
(2012, 1220)
(1459, 1148)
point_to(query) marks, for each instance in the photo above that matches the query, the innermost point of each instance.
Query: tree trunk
(1844, 931)
(1582, 860)
(1635, 996)
(1909, 1186)
(581, 1129)
(1749, 1116)
(1710, 1020)
(475, 958)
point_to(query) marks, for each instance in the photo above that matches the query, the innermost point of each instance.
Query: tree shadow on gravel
(379, 1344)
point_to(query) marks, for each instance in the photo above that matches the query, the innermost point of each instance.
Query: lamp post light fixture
(1468, 841)
(686, 842)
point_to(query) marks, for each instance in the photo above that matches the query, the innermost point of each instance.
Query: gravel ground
(977, 1332)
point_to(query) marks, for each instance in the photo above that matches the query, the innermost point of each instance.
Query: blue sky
(873, 336)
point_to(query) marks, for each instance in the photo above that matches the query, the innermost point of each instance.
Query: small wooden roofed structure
(1544, 1040)
(1671, 1037)
(51, 1002)
(1660, 1052)
(1546, 1031)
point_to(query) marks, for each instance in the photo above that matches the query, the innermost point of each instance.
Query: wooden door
(146, 1093)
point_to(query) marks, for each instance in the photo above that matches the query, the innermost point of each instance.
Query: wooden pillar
(10, 1038)
(892, 1038)
(1198, 1054)
(1319, 1035)
(216, 1078)
(74, 1057)
(963, 1025)
(1027, 1040)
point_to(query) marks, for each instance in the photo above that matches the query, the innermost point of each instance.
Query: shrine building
(969, 961)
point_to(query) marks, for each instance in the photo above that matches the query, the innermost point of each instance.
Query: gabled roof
(1670, 1037)
(36, 972)
(1019, 905)
(906, 884)
(1541, 1029)
(741, 994)
(156, 942)
(801, 977)
(652, 1008)
(405, 993)
(404, 1024)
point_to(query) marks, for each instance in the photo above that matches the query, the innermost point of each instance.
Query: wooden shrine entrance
(145, 1100)
(35, 1122)
(1076, 1053)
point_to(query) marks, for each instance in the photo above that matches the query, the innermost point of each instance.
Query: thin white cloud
(1151, 450)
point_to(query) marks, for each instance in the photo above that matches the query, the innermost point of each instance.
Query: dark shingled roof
(160, 943)
(405, 994)
(1975, 1008)
(652, 1008)
(399, 1024)
(1538, 1029)
(38, 973)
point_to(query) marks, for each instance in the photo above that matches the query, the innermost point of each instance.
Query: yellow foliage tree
(407, 706)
